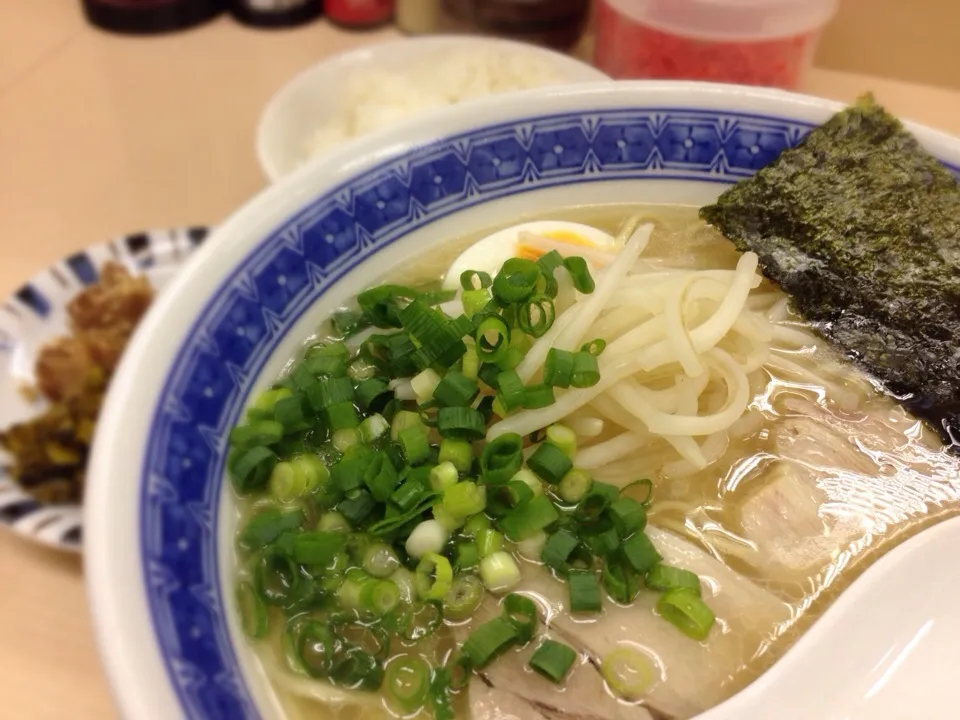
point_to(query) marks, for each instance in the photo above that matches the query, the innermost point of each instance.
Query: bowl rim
(125, 627)
(378, 54)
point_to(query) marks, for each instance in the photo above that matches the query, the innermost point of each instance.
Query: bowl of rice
(355, 93)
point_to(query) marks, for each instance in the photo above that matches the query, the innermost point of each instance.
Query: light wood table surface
(101, 135)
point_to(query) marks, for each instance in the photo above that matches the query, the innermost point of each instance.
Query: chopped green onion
(539, 396)
(470, 363)
(620, 581)
(463, 597)
(511, 358)
(318, 548)
(401, 421)
(261, 432)
(464, 499)
(373, 427)
(553, 660)
(446, 518)
(434, 577)
(406, 584)
(646, 491)
(665, 577)
(342, 415)
(529, 518)
(584, 591)
(461, 423)
(455, 390)
(333, 391)
(419, 620)
(326, 366)
(410, 492)
(474, 301)
(348, 473)
(488, 374)
(550, 261)
(253, 612)
(458, 453)
(601, 538)
(521, 611)
(416, 446)
(586, 372)
(475, 524)
(267, 402)
(373, 395)
(535, 315)
(468, 555)
(379, 597)
(489, 641)
(516, 281)
(443, 476)
(550, 463)
(440, 342)
(492, 338)
(640, 553)
(439, 695)
(505, 498)
(333, 522)
(559, 546)
(580, 274)
(314, 470)
(511, 391)
(564, 438)
(427, 538)
(596, 501)
(276, 577)
(628, 673)
(594, 347)
(574, 486)
(393, 522)
(291, 412)
(252, 468)
(357, 670)
(499, 572)
(683, 608)
(406, 682)
(269, 524)
(489, 541)
(310, 647)
(287, 481)
(628, 516)
(475, 279)
(348, 322)
(558, 368)
(424, 384)
(528, 478)
(382, 304)
(380, 560)
(345, 438)
(501, 459)
(357, 506)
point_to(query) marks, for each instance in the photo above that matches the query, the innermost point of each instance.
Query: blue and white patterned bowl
(158, 517)
(33, 316)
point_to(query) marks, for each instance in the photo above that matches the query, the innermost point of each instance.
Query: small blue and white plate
(36, 314)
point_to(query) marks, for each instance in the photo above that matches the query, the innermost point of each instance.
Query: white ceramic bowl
(310, 99)
(159, 520)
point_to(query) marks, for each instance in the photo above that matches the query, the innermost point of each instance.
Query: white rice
(375, 98)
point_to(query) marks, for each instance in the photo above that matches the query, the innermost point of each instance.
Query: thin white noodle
(608, 451)
(589, 308)
(586, 427)
(677, 333)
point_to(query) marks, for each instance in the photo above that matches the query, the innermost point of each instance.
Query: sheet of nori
(861, 226)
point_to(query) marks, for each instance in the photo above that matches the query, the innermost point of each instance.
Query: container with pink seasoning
(751, 42)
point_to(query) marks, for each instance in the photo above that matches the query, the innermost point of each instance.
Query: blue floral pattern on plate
(291, 269)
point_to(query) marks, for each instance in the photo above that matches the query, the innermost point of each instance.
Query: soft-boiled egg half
(531, 240)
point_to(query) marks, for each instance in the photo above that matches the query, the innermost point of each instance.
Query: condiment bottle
(555, 23)
(150, 16)
(750, 42)
(275, 13)
(359, 14)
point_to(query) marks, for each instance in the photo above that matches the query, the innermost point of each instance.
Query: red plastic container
(750, 42)
(357, 14)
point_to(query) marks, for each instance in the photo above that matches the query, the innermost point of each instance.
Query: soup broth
(777, 512)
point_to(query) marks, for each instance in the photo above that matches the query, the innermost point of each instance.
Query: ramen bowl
(160, 518)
